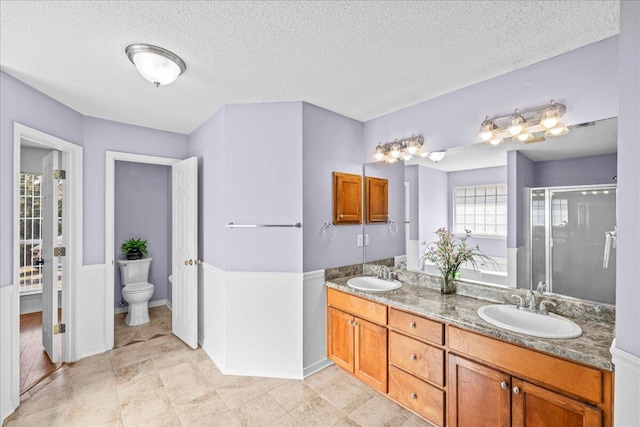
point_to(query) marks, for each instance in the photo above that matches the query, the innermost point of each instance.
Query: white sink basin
(373, 284)
(509, 317)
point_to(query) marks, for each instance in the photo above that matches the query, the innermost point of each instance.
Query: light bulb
(424, 154)
(517, 124)
(391, 160)
(406, 156)
(412, 149)
(395, 151)
(496, 141)
(525, 137)
(379, 154)
(560, 129)
(550, 118)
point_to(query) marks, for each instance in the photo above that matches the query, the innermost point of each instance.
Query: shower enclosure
(573, 241)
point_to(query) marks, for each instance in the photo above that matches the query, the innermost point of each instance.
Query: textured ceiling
(360, 59)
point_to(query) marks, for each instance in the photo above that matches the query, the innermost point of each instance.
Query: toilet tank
(134, 271)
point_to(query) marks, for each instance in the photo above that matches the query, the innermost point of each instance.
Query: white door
(184, 222)
(49, 193)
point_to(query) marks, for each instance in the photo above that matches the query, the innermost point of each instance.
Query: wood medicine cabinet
(347, 198)
(377, 192)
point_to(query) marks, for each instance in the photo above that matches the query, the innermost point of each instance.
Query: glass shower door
(569, 233)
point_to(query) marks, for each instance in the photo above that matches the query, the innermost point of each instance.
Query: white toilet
(136, 290)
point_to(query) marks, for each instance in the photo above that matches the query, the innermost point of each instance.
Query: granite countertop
(592, 348)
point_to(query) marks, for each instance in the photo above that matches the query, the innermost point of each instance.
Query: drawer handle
(413, 357)
(414, 396)
(412, 325)
(516, 390)
(503, 385)
(350, 322)
(355, 323)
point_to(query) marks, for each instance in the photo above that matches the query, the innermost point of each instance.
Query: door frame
(71, 161)
(109, 228)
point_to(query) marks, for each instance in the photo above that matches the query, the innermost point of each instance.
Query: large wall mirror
(544, 211)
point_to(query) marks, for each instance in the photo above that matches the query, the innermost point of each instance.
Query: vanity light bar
(403, 149)
(523, 124)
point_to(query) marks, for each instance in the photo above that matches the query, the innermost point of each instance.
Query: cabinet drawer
(422, 398)
(416, 357)
(564, 375)
(417, 326)
(363, 308)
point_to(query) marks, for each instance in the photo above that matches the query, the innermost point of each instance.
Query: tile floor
(159, 324)
(34, 362)
(162, 382)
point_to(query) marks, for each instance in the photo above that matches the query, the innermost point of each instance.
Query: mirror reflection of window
(481, 209)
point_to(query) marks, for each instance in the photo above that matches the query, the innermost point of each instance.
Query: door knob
(412, 325)
(341, 216)
(413, 357)
(503, 385)
(414, 396)
(516, 390)
(186, 262)
(190, 262)
(199, 261)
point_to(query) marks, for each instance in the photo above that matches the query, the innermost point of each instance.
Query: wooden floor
(34, 362)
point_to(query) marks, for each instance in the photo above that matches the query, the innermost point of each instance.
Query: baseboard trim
(316, 367)
(92, 351)
(157, 303)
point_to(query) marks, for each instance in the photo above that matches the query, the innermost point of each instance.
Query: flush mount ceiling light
(436, 156)
(156, 64)
(404, 149)
(523, 125)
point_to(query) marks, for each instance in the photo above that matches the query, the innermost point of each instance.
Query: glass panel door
(569, 229)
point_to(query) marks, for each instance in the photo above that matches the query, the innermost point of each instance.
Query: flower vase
(448, 283)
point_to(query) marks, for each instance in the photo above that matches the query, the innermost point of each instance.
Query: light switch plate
(359, 239)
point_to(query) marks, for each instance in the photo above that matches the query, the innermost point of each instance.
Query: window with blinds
(482, 209)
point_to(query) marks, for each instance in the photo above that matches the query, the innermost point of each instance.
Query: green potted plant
(134, 248)
(448, 253)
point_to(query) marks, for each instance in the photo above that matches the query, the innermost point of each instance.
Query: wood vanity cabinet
(454, 377)
(357, 337)
(377, 199)
(347, 198)
(416, 365)
(481, 395)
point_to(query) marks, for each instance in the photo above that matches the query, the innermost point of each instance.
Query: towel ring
(393, 228)
(329, 231)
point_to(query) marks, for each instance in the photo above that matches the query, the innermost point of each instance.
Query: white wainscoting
(254, 323)
(90, 306)
(314, 312)
(9, 352)
(627, 387)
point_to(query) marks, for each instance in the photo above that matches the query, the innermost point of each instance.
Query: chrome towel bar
(232, 225)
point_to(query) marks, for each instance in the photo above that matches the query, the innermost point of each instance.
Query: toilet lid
(137, 287)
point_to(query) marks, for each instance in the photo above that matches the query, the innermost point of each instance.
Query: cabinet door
(377, 192)
(340, 333)
(478, 395)
(536, 406)
(371, 354)
(347, 198)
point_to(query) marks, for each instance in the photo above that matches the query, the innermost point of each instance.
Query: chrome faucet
(383, 272)
(530, 298)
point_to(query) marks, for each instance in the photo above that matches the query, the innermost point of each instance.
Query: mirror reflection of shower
(573, 240)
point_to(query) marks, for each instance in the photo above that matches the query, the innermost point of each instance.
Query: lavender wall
(143, 210)
(263, 185)
(520, 174)
(628, 267)
(382, 242)
(100, 136)
(585, 79)
(411, 176)
(331, 142)
(31, 159)
(496, 247)
(23, 104)
(590, 170)
(433, 202)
